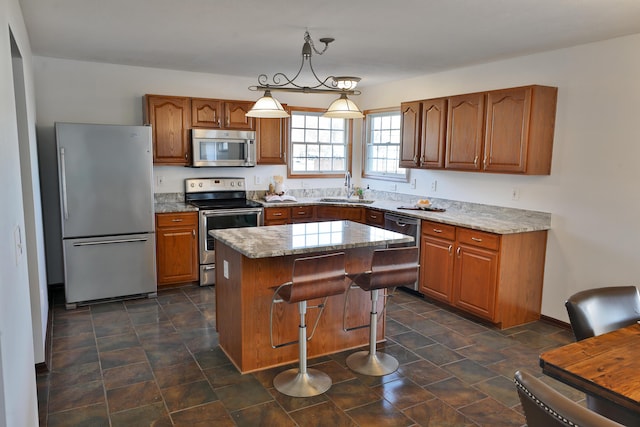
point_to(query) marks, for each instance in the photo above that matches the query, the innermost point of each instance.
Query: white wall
(590, 191)
(18, 399)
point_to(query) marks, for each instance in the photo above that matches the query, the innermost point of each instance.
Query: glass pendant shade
(267, 107)
(343, 108)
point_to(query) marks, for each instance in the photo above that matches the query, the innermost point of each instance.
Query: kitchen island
(252, 262)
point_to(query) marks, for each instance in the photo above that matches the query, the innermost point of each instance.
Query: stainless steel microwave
(223, 148)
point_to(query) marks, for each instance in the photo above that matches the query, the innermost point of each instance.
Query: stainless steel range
(222, 203)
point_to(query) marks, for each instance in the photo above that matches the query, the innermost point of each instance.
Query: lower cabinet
(177, 247)
(338, 213)
(374, 217)
(307, 213)
(277, 216)
(495, 277)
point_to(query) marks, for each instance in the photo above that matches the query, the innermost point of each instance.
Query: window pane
(316, 142)
(382, 153)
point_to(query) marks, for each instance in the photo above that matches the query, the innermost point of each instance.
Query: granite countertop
(170, 207)
(493, 219)
(307, 238)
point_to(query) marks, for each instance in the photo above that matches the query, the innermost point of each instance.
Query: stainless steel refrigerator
(106, 198)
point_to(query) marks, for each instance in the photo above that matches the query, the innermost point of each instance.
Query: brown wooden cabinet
(495, 277)
(423, 133)
(177, 247)
(465, 126)
(504, 131)
(277, 215)
(170, 120)
(519, 130)
(374, 217)
(221, 114)
(338, 213)
(272, 137)
(305, 213)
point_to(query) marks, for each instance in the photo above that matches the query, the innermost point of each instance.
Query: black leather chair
(601, 310)
(313, 277)
(545, 407)
(598, 311)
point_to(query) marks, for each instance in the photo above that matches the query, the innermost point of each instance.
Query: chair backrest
(316, 277)
(394, 267)
(601, 310)
(545, 407)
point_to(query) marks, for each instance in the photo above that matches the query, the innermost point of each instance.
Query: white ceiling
(376, 40)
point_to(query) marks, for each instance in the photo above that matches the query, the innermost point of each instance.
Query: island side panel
(259, 277)
(229, 302)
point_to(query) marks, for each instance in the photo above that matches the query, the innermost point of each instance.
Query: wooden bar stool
(389, 268)
(313, 277)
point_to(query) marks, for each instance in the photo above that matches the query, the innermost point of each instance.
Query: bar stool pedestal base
(296, 384)
(376, 364)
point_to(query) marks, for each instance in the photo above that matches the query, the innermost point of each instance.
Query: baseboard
(45, 367)
(555, 322)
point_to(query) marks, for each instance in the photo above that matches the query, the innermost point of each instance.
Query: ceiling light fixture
(343, 107)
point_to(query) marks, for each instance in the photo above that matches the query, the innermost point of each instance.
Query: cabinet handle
(458, 252)
(437, 230)
(476, 239)
(450, 248)
(475, 161)
(484, 162)
(277, 214)
(186, 157)
(301, 212)
(415, 159)
(177, 220)
(373, 216)
(193, 233)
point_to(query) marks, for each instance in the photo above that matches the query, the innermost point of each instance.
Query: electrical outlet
(413, 183)
(515, 193)
(257, 179)
(434, 186)
(17, 238)
(159, 180)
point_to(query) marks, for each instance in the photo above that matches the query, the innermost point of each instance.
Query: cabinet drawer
(276, 213)
(300, 212)
(374, 217)
(437, 229)
(477, 238)
(177, 218)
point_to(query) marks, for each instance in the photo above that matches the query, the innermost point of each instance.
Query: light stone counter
(493, 219)
(313, 237)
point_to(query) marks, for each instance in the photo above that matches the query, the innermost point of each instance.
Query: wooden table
(605, 366)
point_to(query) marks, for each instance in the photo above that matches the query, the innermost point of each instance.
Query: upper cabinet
(170, 120)
(465, 118)
(272, 136)
(221, 114)
(505, 131)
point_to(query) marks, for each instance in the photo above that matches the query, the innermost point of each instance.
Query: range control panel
(197, 185)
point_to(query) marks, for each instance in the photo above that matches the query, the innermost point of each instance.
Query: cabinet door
(302, 214)
(465, 119)
(434, 131)
(374, 217)
(235, 115)
(276, 216)
(507, 130)
(170, 119)
(474, 282)
(410, 143)
(177, 248)
(206, 113)
(436, 272)
(272, 136)
(335, 213)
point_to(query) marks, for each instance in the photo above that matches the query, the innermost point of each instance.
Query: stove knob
(232, 183)
(192, 185)
(239, 183)
(200, 185)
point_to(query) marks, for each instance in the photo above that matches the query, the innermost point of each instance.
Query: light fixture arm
(281, 82)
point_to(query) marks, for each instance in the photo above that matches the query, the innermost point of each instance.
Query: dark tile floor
(156, 362)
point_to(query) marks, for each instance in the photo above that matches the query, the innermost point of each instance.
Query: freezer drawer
(109, 267)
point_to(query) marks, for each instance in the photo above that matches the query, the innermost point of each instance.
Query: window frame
(365, 135)
(348, 148)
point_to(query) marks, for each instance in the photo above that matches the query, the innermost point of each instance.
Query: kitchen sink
(345, 200)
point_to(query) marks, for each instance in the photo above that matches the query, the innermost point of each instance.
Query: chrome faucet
(347, 183)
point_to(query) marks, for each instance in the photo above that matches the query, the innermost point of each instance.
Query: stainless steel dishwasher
(406, 225)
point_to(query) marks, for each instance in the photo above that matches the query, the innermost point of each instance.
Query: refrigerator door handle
(108, 242)
(63, 177)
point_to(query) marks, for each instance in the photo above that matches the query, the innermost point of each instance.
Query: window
(319, 145)
(382, 145)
